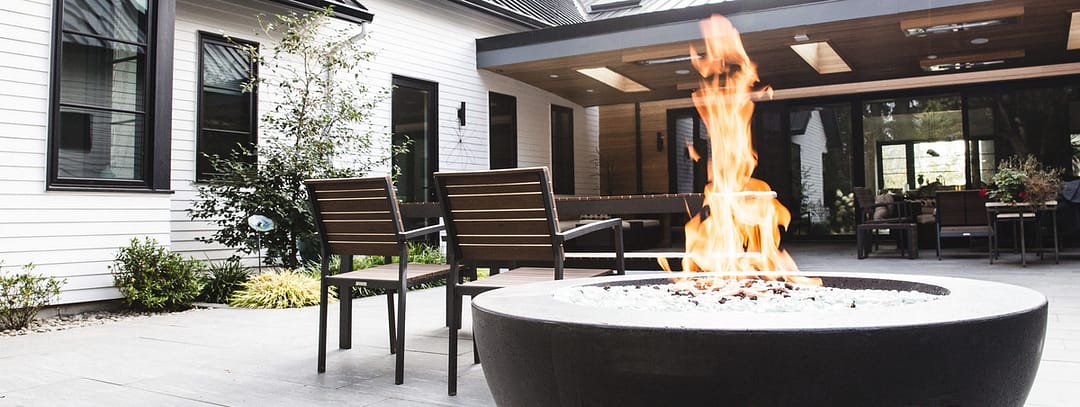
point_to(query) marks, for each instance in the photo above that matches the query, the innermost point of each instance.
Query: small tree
(314, 131)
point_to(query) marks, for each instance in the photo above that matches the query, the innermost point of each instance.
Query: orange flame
(738, 227)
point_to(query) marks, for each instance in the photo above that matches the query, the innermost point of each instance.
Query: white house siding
(73, 235)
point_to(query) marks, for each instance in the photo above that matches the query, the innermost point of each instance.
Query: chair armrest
(592, 227)
(426, 230)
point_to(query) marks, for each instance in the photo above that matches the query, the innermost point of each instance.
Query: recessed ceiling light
(553, 76)
(801, 37)
(821, 56)
(931, 56)
(682, 71)
(589, 91)
(613, 79)
(979, 41)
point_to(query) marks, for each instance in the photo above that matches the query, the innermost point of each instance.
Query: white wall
(75, 235)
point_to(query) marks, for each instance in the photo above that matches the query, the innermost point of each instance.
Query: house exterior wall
(75, 235)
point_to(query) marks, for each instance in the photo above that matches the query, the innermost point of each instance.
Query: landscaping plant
(221, 279)
(23, 294)
(316, 129)
(155, 279)
(279, 289)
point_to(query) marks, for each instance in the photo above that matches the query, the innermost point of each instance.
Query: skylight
(821, 56)
(613, 79)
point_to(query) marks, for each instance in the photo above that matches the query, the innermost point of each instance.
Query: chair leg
(399, 366)
(345, 319)
(323, 299)
(392, 324)
(452, 349)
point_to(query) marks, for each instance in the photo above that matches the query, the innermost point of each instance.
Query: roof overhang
(348, 10)
(866, 33)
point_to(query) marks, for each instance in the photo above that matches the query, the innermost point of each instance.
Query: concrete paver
(267, 357)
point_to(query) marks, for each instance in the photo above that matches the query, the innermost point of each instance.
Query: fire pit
(978, 344)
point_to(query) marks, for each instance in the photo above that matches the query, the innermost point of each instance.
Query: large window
(821, 170)
(227, 113)
(913, 143)
(502, 130)
(109, 121)
(562, 149)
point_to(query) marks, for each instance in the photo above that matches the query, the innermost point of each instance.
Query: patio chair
(360, 216)
(506, 218)
(962, 214)
(874, 215)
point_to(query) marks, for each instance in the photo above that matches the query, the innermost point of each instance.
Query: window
(915, 143)
(227, 114)
(110, 121)
(562, 150)
(502, 128)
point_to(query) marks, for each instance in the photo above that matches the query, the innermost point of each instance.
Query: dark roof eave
(630, 22)
(358, 15)
(511, 15)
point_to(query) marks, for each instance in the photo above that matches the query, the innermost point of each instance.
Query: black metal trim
(253, 114)
(158, 116)
(566, 189)
(432, 121)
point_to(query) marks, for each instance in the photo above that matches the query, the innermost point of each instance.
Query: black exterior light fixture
(659, 141)
(461, 115)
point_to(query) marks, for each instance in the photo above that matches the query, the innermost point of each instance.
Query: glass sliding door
(686, 129)
(821, 171)
(914, 144)
(413, 123)
(562, 150)
(502, 131)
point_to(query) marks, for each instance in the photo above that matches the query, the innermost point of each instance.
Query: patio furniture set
(502, 220)
(963, 213)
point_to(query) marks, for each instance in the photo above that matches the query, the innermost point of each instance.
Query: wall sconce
(659, 141)
(461, 115)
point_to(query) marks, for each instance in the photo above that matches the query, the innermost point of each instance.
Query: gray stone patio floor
(241, 357)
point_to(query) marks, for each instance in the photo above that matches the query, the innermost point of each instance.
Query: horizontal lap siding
(71, 235)
(233, 18)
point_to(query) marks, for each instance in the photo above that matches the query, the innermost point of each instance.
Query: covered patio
(267, 357)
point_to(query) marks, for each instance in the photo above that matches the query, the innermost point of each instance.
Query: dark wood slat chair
(360, 216)
(962, 214)
(897, 219)
(506, 218)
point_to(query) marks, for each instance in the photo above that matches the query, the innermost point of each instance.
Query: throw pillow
(883, 212)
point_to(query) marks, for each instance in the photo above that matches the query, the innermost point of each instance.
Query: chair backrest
(960, 208)
(864, 202)
(499, 215)
(356, 216)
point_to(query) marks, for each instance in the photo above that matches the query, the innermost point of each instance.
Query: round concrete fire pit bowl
(978, 344)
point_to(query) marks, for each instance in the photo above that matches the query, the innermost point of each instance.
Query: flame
(738, 227)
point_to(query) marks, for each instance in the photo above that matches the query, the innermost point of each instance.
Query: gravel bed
(50, 324)
(740, 296)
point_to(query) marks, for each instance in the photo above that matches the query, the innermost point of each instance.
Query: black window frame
(253, 95)
(157, 109)
(500, 144)
(563, 177)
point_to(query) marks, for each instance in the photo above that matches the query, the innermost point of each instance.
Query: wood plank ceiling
(875, 48)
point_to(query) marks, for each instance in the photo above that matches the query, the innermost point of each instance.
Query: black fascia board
(354, 14)
(630, 22)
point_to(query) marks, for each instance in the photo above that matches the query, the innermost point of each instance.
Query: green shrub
(153, 278)
(22, 295)
(221, 279)
(281, 289)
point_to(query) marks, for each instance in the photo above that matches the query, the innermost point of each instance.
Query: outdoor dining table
(1020, 213)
